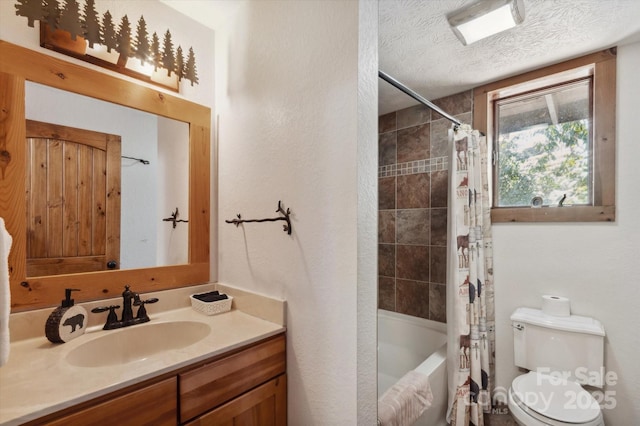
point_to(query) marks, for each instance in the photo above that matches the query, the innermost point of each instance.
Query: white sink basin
(135, 343)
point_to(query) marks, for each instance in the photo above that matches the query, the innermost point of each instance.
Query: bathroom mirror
(21, 70)
(64, 234)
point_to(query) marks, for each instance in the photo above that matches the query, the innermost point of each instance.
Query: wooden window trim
(604, 133)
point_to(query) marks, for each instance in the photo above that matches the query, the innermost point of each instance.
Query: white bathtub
(408, 343)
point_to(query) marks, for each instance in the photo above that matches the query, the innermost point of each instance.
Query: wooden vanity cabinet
(265, 405)
(246, 387)
(152, 405)
(213, 384)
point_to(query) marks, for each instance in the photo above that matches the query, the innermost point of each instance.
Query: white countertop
(37, 380)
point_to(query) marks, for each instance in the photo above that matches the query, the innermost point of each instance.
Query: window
(552, 133)
(543, 145)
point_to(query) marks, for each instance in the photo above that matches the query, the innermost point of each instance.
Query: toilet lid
(560, 400)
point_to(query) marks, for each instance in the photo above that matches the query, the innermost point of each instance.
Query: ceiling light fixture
(485, 18)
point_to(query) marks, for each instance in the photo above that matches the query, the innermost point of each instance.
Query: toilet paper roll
(556, 305)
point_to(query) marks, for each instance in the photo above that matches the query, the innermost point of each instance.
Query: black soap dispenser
(67, 321)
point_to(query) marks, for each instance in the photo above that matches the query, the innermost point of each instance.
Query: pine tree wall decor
(76, 28)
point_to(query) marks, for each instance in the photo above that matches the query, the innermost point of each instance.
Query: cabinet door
(211, 385)
(152, 405)
(265, 405)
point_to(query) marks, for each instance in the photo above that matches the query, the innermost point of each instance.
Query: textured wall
(412, 217)
(288, 100)
(367, 354)
(593, 264)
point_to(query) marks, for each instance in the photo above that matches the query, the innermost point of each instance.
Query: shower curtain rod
(392, 81)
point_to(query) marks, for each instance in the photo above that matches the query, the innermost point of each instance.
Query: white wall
(173, 179)
(367, 354)
(592, 264)
(287, 81)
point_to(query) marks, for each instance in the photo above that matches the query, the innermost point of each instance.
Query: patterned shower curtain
(470, 308)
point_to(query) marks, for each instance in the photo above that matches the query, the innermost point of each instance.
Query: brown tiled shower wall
(412, 207)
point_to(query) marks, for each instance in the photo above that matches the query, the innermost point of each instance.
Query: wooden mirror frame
(18, 65)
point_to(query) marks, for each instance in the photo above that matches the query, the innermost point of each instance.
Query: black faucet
(127, 310)
(129, 299)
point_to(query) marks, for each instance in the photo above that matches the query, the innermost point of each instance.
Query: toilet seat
(551, 401)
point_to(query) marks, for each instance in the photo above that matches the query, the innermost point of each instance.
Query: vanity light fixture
(485, 18)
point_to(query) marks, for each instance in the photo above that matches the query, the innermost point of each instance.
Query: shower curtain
(470, 311)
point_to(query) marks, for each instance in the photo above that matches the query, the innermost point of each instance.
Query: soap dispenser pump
(67, 321)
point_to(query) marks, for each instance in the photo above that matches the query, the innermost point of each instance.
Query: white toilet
(561, 352)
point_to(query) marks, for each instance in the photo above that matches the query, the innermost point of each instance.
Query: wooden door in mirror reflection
(73, 200)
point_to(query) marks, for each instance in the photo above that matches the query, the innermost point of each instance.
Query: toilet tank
(571, 347)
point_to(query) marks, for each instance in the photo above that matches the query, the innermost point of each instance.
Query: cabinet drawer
(214, 384)
(152, 405)
(265, 405)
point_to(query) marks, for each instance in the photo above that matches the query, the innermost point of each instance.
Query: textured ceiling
(417, 47)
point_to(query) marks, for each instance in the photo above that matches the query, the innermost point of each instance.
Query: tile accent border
(413, 167)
